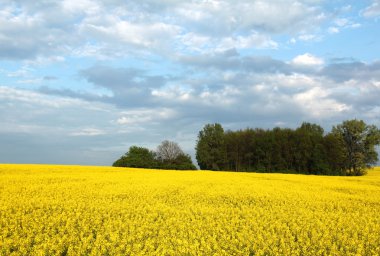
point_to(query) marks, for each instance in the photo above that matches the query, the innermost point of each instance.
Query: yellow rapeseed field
(76, 210)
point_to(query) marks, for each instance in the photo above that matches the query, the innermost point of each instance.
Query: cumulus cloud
(307, 59)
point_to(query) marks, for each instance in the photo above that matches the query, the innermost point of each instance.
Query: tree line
(349, 149)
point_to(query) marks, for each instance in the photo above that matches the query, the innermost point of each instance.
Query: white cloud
(295, 81)
(88, 132)
(292, 40)
(200, 43)
(341, 22)
(173, 94)
(222, 18)
(333, 30)
(30, 97)
(27, 35)
(355, 25)
(194, 42)
(81, 6)
(254, 40)
(373, 10)
(145, 116)
(307, 59)
(316, 102)
(346, 8)
(222, 98)
(307, 37)
(113, 29)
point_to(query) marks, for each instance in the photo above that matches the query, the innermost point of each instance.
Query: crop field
(74, 210)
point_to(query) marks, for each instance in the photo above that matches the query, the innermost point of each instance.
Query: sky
(81, 81)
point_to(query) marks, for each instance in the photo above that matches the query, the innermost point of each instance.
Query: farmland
(77, 210)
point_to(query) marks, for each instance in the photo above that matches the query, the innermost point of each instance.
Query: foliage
(347, 150)
(168, 156)
(74, 210)
(210, 147)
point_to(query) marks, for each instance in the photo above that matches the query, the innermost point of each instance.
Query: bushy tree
(358, 141)
(138, 157)
(168, 156)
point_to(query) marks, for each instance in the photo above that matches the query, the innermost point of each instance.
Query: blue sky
(81, 80)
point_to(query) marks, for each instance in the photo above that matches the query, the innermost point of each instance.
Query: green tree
(210, 147)
(358, 140)
(137, 157)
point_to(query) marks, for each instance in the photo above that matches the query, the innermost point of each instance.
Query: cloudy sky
(81, 80)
